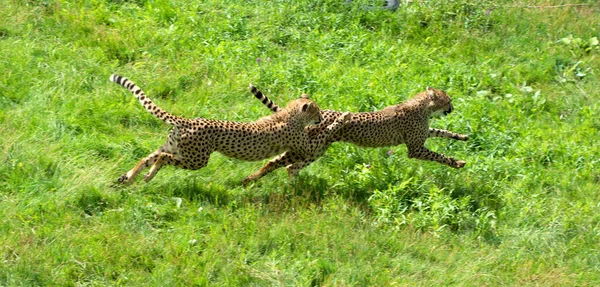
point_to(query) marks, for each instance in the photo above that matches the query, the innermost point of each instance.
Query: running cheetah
(191, 141)
(406, 123)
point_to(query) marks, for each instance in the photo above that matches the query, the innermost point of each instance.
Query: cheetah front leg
(447, 134)
(294, 161)
(295, 168)
(337, 125)
(421, 152)
(282, 160)
(319, 143)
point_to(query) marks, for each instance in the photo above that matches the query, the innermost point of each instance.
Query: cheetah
(191, 141)
(405, 123)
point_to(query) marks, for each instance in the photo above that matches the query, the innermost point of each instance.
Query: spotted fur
(405, 123)
(191, 141)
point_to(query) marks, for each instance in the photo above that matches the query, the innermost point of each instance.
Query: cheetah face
(310, 113)
(441, 104)
(313, 113)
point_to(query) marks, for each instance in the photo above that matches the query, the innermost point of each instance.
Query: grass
(524, 211)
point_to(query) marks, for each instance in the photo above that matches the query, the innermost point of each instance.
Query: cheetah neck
(417, 105)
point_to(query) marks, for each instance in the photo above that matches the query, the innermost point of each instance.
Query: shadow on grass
(388, 190)
(281, 195)
(198, 190)
(91, 201)
(192, 189)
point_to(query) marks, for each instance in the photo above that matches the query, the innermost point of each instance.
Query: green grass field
(523, 75)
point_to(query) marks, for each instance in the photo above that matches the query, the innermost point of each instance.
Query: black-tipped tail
(264, 99)
(144, 100)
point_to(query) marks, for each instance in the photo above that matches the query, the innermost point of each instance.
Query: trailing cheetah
(406, 123)
(191, 141)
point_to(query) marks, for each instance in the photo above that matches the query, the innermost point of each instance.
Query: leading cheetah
(191, 141)
(406, 123)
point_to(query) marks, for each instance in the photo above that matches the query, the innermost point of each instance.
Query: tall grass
(524, 81)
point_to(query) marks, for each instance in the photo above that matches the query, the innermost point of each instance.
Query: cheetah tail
(266, 101)
(145, 100)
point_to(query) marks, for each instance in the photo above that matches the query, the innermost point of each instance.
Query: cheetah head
(308, 111)
(440, 103)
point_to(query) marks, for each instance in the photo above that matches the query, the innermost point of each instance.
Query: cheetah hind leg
(128, 177)
(177, 160)
(163, 158)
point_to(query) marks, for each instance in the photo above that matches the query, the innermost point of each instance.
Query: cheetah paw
(460, 163)
(123, 179)
(247, 180)
(463, 137)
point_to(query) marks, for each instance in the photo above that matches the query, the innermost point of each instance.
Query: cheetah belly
(372, 135)
(250, 146)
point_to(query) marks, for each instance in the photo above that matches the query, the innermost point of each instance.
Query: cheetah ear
(305, 107)
(304, 96)
(430, 93)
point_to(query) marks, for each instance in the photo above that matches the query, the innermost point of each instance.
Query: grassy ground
(524, 80)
